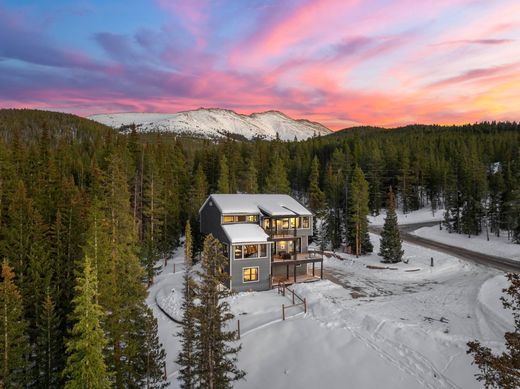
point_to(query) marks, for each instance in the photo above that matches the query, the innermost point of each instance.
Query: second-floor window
(239, 219)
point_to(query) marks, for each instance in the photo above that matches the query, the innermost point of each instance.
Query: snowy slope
(215, 122)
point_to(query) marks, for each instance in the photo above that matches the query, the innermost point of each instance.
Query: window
(250, 274)
(295, 222)
(251, 251)
(239, 219)
(238, 252)
(229, 219)
(263, 250)
(285, 223)
(305, 222)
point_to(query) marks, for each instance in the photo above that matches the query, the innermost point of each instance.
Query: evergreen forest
(88, 214)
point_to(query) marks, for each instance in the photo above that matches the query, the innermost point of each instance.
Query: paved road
(500, 263)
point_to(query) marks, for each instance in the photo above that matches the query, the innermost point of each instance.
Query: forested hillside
(83, 205)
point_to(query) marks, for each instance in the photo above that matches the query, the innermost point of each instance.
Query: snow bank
(497, 246)
(422, 215)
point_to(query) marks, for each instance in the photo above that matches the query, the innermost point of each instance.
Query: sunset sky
(340, 62)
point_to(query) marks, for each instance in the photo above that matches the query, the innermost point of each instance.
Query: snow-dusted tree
(391, 243)
(215, 359)
(502, 371)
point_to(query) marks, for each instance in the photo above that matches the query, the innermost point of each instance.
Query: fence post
(283, 311)
(305, 304)
(238, 324)
(292, 296)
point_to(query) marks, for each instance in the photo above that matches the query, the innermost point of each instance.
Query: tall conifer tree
(186, 357)
(85, 364)
(391, 243)
(14, 341)
(358, 237)
(216, 359)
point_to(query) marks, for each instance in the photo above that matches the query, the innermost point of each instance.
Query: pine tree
(223, 178)
(358, 237)
(251, 178)
(502, 371)
(49, 345)
(215, 365)
(316, 195)
(14, 343)
(277, 181)
(85, 366)
(186, 357)
(391, 243)
(147, 365)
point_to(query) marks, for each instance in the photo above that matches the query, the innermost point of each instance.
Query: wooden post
(313, 268)
(305, 304)
(431, 262)
(294, 273)
(238, 328)
(287, 272)
(283, 311)
(292, 296)
(321, 269)
(174, 267)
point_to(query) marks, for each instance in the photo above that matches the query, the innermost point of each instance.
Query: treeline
(76, 195)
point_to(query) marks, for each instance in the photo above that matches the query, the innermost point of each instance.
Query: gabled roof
(244, 233)
(269, 204)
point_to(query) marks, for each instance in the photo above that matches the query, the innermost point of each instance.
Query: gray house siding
(210, 221)
(264, 270)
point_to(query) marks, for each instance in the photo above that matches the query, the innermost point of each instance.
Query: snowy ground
(398, 326)
(423, 215)
(497, 246)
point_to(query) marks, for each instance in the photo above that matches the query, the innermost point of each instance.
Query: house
(265, 237)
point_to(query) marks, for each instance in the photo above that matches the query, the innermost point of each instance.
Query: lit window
(295, 222)
(229, 219)
(285, 223)
(305, 222)
(250, 274)
(238, 252)
(251, 251)
(263, 250)
(252, 218)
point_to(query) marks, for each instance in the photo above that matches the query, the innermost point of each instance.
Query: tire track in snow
(408, 360)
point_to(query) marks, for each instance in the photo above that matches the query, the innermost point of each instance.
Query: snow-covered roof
(244, 233)
(270, 204)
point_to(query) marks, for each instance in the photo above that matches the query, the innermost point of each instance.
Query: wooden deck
(310, 256)
(299, 278)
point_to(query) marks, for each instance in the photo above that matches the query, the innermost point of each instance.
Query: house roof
(270, 204)
(244, 233)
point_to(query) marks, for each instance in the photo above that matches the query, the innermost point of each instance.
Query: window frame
(257, 274)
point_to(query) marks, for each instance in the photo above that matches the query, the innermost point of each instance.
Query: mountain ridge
(216, 123)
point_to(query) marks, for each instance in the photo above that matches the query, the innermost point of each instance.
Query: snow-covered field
(401, 327)
(423, 215)
(215, 122)
(497, 246)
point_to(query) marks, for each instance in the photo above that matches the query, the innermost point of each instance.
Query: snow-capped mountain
(215, 122)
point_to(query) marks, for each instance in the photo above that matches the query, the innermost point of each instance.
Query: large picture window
(250, 274)
(251, 251)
